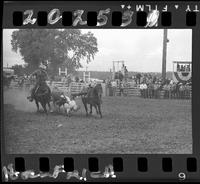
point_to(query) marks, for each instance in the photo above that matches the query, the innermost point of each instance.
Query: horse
(93, 97)
(7, 80)
(42, 95)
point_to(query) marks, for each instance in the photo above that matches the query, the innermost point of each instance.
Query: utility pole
(113, 74)
(164, 56)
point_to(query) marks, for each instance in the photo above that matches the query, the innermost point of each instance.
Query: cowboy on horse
(41, 77)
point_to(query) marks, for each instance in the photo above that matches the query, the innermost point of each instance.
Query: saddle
(44, 88)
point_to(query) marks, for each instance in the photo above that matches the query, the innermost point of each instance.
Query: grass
(129, 125)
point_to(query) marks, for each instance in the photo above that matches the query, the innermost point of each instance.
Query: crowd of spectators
(183, 68)
(151, 86)
(169, 90)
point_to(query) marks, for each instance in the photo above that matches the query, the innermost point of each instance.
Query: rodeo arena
(122, 113)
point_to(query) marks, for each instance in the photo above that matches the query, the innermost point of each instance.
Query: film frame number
(55, 15)
(102, 17)
(182, 176)
(29, 19)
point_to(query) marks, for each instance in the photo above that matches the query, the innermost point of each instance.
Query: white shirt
(114, 84)
(141, 86)
(144, 86)
(171, 82)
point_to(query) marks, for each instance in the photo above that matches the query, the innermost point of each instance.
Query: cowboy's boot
(30, 98)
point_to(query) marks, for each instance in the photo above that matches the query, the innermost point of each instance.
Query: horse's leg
(86, 109)
(96, 109)
(85, 105)
(44, 107)
(99, 108)
(54, 106)
(90, 108)
(50, 109)
(37, 104)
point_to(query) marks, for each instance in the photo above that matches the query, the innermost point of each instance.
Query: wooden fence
(75, 87)
(128, 91)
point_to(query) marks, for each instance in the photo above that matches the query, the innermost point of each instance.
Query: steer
(68, 104)
(58, 99)
(71, 106)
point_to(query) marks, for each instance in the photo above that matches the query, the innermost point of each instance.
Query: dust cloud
(18, 98)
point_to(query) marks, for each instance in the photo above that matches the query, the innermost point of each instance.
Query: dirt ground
(129, 125)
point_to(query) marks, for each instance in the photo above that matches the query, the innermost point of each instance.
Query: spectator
(156, 90)
(171, 82)
(182, 69)
(64, 80)
(178, 67)
(108, 86)
(154, 79)
(121, 88)
(114, 87)
(145, 90)
(188, 88)
(125, 73)
(138, 78)
(181, 91)
(188, 68)
(77, 79)
(123, 69)
(142, 90)
(150, 90)
(166, 89)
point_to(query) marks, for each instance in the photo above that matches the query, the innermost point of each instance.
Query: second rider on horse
(41, 78)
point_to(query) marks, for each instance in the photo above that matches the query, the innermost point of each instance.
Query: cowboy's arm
(46, 76)
(34, 73)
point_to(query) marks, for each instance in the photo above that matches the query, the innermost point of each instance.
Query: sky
(140, 49)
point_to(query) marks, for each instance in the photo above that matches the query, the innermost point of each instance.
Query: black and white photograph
(97, 91)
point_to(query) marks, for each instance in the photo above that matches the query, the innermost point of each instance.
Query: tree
(66, 46)
(18, 70)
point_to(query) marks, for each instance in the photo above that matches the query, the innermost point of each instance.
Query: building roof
(183, 62)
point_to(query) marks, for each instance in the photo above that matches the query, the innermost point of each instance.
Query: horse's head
(98, 89)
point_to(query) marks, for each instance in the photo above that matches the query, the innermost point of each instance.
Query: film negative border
(142, 18)
(91, 167)
(183, 15)
(115, 15)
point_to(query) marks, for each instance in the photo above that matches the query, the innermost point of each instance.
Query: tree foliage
(59, 46)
